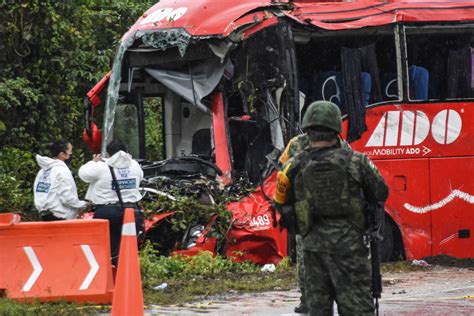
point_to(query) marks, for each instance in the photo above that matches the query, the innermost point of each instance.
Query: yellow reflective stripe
(284, 156)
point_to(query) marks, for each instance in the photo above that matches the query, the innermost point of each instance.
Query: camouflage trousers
(300, 268)
(345, 279)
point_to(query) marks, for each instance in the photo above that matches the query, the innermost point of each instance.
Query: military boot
(301, 308)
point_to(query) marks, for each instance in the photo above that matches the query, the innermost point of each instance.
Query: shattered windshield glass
(163, 39)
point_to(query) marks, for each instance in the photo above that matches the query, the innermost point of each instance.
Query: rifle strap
(117, 187)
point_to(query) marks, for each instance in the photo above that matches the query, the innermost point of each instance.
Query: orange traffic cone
(128, 295)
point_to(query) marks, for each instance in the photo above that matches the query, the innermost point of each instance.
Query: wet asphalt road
(434, 291)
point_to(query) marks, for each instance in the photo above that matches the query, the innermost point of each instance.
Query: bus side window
(459, 73)
(439, 64)
(348, 69)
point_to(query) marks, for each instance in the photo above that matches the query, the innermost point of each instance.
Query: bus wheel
(386, 248)
(391, 248)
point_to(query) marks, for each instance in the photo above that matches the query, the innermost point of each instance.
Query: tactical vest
(323, 183)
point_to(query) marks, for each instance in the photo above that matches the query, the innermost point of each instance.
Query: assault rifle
(374, 235)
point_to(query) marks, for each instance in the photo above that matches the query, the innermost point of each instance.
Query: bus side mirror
(91, 134)
(94, 141)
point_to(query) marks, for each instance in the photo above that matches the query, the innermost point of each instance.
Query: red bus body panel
(221, 18)
(426, 154)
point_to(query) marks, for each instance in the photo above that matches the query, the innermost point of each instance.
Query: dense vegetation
(51, 54)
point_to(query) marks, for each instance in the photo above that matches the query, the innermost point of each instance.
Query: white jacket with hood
(101, 189)
(55, 189)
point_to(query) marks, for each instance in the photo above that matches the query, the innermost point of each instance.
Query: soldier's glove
(287, 219)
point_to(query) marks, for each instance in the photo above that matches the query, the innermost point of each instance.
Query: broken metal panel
(221, 17)
(272, 117)
(264, 72)
(221, 138)
(221, 48)
(253, 233)
(157, 58)
(360, 14)
(256, 22)
(290, 104)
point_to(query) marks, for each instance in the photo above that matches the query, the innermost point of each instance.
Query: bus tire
(387, 245)
(391, 248)
(291, 246)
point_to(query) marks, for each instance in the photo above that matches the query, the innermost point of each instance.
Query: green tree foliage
(51, 54)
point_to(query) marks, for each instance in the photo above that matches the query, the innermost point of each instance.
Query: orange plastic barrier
(63, 260)
(128, 294)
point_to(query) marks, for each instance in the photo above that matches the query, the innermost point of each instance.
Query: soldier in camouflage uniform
(331, 185)
(295, 146)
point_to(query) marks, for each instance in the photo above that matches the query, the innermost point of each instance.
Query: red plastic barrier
(63, 260)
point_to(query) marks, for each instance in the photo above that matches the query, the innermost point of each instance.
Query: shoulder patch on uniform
(371, 164)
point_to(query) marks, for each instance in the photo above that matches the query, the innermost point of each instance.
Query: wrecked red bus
(235, 77)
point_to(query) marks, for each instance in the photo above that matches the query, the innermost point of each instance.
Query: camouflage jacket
(341, 235)
(297, 144)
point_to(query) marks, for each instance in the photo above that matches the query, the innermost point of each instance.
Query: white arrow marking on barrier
(94, 267)
(37, 269)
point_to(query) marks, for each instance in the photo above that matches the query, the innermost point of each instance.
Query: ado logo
(408, 128)
(169, 14)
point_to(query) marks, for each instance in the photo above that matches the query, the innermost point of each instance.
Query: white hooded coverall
(55, 189)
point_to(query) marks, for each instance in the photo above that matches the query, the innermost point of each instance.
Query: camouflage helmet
(323, 113)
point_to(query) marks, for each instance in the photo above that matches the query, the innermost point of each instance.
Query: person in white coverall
(55, 191)
(102, 193)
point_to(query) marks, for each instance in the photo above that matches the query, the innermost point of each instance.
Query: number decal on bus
(261, 220)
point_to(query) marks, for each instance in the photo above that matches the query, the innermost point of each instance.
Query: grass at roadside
(401, 266)
(179, 292)
(13, 308)
(201, 276)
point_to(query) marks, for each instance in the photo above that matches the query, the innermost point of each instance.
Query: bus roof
(220, 18)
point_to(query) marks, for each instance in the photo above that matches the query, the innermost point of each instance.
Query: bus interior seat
(201, 144)
(366, 87)
(330, 87)
(419, 80)
(390, 86)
